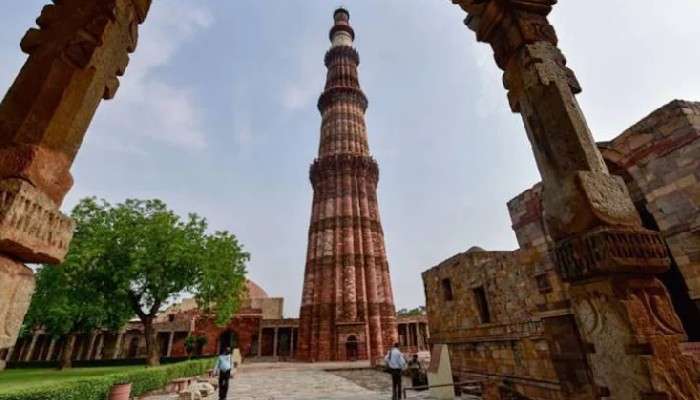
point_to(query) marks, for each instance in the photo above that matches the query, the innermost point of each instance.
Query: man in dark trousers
(396, 363)
(223, 368)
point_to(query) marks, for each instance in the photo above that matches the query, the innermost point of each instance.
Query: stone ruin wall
(661, 155)
(532, 339)
(514, 342)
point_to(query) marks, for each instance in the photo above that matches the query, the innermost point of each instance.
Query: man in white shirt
(395, 362)
(223, 368)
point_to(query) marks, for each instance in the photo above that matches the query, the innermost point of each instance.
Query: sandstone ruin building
(581, 310)
(508, 314)
(259, 330)
(347, 307)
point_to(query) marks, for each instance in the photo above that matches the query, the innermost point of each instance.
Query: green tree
(420, 310)
(68, 302)
(145, 255)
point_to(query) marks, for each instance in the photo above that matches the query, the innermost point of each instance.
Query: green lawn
(14, 379)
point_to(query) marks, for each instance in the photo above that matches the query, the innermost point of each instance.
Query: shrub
(97, 388)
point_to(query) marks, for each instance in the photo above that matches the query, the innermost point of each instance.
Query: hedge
(119, 362)
(97, 388)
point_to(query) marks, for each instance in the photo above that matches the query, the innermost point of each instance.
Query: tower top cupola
(341, 33)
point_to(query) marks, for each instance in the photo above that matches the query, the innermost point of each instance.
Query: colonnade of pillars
(96, 346)
(284, 340)
(413, 335)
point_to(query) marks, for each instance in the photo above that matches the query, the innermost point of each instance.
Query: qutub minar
(347, 307)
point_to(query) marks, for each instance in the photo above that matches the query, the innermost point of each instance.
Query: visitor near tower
(396, 363)
(223, 368)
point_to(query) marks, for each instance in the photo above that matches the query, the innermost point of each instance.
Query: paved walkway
(320, 381)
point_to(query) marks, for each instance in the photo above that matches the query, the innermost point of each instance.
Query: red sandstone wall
(244, 327)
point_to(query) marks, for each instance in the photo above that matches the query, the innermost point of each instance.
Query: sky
(217, 115)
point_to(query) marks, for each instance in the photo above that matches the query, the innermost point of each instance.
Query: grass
(13, 379)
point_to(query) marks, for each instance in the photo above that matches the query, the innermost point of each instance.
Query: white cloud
(146, 106)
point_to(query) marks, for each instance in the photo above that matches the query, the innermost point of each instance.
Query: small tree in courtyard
(142, 254)
(68, 302)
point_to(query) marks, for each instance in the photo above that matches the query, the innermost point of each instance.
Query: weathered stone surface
(31, 227)
(75, 56)
(16, 288)
(347, 309)
(636, 339)
(659, 157)
(588, 214)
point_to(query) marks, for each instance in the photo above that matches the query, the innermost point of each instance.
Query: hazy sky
(217, 115)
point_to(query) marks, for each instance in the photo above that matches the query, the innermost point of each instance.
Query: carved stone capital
(507, 25)
(76, 53)
(32, 229)
(606, 251)
(585, 200)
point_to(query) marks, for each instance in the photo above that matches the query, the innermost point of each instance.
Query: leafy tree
(420, 310)
(144, 255)
(68, 301)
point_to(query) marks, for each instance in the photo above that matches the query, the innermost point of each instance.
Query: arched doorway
(351, 348)
(133, 348)
(228, 339)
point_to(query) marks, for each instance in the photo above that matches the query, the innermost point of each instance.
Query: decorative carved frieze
(338, 164)
(338, 52)
(343, 94)
(607, 250)
(345, 222)
(32, 229)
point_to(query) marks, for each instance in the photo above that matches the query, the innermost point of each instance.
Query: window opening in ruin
(447, 289)
(543, 284)
(482, 305)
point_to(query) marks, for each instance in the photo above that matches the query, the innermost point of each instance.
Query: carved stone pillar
(100, 347)
(75, 56)
(275, 342)
(624, 314)
(52, 346)
(30, 350)
(118, 346)
(171, 338)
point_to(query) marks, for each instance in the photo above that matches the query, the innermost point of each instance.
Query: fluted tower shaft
(347, 308)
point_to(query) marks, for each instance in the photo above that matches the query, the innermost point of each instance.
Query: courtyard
(303, 381)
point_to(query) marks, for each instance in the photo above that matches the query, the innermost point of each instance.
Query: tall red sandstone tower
(347, 308)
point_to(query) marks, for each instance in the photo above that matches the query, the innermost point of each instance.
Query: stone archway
(228, 340)
(351, 348)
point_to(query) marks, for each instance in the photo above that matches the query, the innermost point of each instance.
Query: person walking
(396, 363)
(223, 369)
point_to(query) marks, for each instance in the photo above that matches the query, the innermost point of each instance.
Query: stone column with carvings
(118, 346)
(623, 312)
(30, 350)
(171, 339)
(52, 346)
(76, 53)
